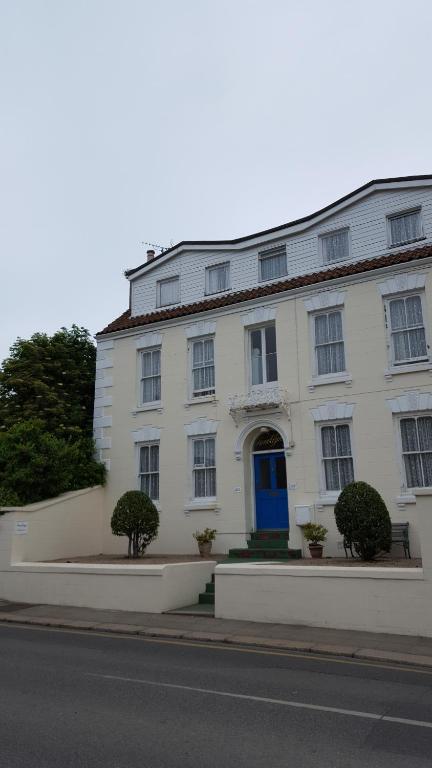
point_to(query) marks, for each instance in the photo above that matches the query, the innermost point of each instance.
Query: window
(273, 263)
(203, 371)
(336, 456)
(204, 468)
(407, 330)
(405, 228)
(335, 247)
(416, 434)
(150, 376)
(263, 355)
(149, 470)
(218, 278)
(329, 343)
(168, 291)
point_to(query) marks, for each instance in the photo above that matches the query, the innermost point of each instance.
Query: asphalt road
(75, 700)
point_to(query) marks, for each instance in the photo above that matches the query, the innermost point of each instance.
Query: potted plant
(315, 534)
(205, 540)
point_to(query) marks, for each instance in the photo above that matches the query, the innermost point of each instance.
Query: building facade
(250, 380)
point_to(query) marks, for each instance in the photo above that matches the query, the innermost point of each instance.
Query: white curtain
(417, 448)
(329, 343)
(169, 291)
(218, 278)
(335, 247)
(406, 228)
(203, 365)
(256, 357)
(336, 442)
(204, 468)
(151, 379)
(408, 333)
(149, 470)
(274, 265)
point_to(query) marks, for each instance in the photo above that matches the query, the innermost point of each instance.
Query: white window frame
(147, 444)
(323, 235)
(158, 290)
(227, 265)
(143, 404)
(193, 397)
(198, 500)
(426, 489)
(267, 254)
(397, 214)
(265, 384)
(324, 493)
(327, 378)
(404, 365)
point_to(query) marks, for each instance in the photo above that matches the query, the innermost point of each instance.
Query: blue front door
(271, 496)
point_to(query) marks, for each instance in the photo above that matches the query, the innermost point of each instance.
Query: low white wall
(396, 600)
(145, 588)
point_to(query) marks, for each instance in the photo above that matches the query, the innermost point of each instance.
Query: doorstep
(198, 609)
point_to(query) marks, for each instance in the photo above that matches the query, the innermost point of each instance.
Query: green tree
(136, 517)
(51, 379)
(363, 519)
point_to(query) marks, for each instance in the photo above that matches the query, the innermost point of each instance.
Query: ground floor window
(204, 467)
(416, 434)
(149, 470)
(336, 456)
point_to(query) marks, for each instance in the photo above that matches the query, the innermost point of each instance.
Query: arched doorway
(270, 481)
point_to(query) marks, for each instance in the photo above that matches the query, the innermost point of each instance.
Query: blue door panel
(271, 496)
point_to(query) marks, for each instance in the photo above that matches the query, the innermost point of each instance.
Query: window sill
(156, 406)
(421, 491)
(218, 293)
(394, 370)
(329, 500)
(332, 378)
(209, 505)
(197, 400)
(407, 242)
(405, 498)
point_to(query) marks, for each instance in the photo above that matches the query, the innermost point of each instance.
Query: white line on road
(265, 700)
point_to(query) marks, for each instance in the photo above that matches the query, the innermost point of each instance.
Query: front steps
(208, 597)
(266, 545)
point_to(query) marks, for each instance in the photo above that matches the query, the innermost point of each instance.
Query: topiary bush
(136, 517)
(363, 519)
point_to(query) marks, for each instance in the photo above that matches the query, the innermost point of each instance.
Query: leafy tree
(363, 519)
(136, 517)
(8, 499)
(50, 378)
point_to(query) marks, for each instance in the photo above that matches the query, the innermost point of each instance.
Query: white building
(250, 379)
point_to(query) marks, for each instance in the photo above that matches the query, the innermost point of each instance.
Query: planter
(205, 548)
(316, 550)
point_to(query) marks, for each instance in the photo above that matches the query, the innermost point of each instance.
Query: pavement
(106, 700)
(396, 649)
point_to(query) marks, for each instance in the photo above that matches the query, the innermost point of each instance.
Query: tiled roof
(125, 320)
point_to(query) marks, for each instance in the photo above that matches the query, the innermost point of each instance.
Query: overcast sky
(125, 121)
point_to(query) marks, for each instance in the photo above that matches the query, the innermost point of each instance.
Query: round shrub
(363, 519)
(136, 517)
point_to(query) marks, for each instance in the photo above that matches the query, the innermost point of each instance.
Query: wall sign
(21, 527)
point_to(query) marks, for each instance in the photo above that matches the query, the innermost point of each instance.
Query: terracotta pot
(205, 548)
(316, 550)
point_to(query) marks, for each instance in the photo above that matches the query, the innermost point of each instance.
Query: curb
(321, 649)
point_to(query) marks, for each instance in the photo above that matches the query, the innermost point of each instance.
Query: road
(76, 699)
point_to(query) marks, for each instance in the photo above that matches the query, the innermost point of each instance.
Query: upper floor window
(263, 357)
(416, 434)
(203, 369)
(405, 227)
(336, 456)
(168, 291)
(273, 263)
(335, 246)
(405, 318)
(149, 470)
(204, 467)
(150, 383)
(218, 278)
(329, 343)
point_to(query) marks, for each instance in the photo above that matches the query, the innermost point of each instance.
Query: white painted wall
(366, 219)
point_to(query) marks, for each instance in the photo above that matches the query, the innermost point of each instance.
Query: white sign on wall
(21, 527)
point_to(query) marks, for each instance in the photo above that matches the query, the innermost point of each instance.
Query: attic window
(168, 291)
(273, 263)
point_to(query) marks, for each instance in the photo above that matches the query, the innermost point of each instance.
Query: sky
(128, 121)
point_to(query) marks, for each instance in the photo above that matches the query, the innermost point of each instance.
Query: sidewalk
(395, 649)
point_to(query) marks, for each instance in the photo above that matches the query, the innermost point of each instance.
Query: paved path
(85, 700)
(367, 645)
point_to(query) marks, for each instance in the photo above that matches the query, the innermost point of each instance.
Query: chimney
(150, 255)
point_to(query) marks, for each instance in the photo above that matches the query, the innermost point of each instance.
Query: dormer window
(168, 291)
(335, 246)
(273, 263)
(217, 278)
(404, 228)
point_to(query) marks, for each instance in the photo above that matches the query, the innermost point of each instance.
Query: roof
(304, 220)
(126, 321)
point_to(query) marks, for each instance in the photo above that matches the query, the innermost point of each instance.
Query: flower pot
(205, 548)
(316, 550)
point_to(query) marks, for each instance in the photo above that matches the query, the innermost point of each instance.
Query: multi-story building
(249, 380)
